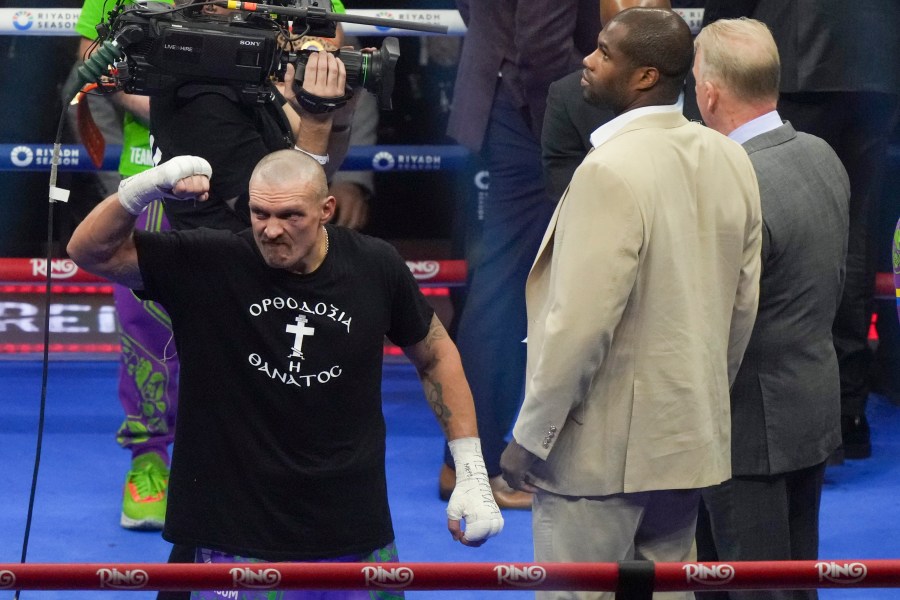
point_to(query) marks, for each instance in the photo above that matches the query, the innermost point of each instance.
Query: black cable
(46, 358)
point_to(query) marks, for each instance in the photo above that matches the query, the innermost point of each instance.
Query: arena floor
(77, 506)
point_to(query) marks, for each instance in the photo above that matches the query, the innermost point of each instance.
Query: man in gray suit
(785, 401)
(839, 81)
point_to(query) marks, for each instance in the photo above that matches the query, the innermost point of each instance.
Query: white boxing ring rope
(61, 21)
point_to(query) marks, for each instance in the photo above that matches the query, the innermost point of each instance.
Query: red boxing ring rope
(450, 576)
(429, 273)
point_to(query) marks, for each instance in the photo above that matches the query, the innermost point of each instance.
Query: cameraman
(213, 122)
(148, 370)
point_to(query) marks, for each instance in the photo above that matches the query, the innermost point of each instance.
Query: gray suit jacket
(785, 402)
(531, 43)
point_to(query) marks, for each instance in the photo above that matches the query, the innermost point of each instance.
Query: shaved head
(660, 39)
(289, 206)
(289, 167)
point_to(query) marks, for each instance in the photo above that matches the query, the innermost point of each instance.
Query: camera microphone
(320, 12)
(93, 68)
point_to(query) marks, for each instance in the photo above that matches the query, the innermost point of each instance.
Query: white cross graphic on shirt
(299, 330)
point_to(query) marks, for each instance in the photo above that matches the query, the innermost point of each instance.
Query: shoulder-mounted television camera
(151, 47)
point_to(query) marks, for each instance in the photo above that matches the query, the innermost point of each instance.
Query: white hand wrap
(137, 191)
(472, 497)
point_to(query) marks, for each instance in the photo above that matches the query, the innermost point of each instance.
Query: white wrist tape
(321, 159)
(472, 497)
(137, 191)
(468, 458)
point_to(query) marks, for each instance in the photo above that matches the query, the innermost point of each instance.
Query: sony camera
(155, 47)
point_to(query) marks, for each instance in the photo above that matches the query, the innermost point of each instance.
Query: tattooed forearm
(434, 390)
(435, 397)
(438, 364)
(436, 332)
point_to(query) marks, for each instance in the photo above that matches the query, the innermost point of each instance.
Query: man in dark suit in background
(569, 120)
(512, 51)
(839, 81)
(784, 411)
(568, 124)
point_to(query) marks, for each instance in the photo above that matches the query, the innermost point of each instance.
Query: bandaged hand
(181, 178)
(472, 497)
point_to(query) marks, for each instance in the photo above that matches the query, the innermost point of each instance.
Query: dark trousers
(764, 517)
(492, 325)
(857, 125)
(179, 554)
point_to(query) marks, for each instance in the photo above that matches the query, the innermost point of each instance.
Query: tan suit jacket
(640, 304)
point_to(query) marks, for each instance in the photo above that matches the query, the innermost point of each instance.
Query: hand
(286, 87)
(472, 497)
(181, 178)
(325, 75)
(515, 463)
(343, 117)
(352, 205)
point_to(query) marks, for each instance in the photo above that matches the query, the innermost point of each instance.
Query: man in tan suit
(640, 304)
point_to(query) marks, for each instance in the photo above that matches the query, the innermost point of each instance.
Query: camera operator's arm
(339, 140)
(104, 241)
(321, 134)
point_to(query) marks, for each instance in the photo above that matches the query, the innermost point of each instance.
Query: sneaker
(144, 497)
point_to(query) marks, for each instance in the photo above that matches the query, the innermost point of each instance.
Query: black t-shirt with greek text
(280, 444)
